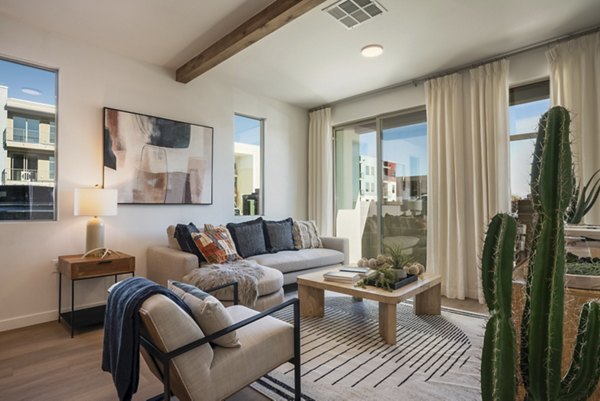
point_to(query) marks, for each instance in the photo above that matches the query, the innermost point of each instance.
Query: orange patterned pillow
(216, 244)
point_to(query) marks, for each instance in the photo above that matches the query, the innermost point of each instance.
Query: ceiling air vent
(352, 13)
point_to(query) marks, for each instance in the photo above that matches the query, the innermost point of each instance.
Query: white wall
(89, 79)
(524, 68)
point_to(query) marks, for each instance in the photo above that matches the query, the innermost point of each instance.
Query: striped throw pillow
(306, 235)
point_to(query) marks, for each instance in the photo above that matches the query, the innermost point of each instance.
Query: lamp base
(94, 234)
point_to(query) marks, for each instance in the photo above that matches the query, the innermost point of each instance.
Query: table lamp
(95, 202)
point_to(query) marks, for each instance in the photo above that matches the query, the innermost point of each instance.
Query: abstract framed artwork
(152, 160)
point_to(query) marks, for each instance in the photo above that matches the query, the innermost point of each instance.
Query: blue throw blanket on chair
(120, 355)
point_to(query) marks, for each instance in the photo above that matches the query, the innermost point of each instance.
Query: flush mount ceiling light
(371, 50)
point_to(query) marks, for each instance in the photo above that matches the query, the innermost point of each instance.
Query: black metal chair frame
(165, 357)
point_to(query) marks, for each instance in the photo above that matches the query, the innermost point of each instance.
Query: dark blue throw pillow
(278, 235)
(248, 237)
(183, 235)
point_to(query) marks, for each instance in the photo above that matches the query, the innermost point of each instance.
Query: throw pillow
(248, 237)
(216, 244)
(306, 235)
(208, 312)
(183, 235)
(278, 235)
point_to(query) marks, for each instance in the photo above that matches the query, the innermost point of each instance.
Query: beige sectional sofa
(169, 262)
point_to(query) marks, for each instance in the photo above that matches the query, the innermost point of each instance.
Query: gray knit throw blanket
(245, 272)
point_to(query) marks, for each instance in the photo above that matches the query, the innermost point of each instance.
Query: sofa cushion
(216, 244)
(289, 261)
(278, 235)
(271, 282)
(209, 313)
(173, 244)
(306, 235)
(248, 237)
(183, 235)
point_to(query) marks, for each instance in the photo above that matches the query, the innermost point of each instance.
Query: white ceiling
(313, 60)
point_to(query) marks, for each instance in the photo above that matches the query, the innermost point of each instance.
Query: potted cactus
(542, 323)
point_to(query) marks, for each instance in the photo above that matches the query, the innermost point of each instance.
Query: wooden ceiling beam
(273, 17)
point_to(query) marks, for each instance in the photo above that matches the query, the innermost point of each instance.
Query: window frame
(526, 93)
(261, 192)
(412, 115)
(55, 197)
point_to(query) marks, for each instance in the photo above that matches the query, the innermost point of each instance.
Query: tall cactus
(542, 323)
(498, 379)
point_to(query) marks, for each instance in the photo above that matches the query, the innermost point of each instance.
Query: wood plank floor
(43, 363)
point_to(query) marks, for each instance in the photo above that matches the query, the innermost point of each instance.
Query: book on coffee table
(355, 269)
(342, 277)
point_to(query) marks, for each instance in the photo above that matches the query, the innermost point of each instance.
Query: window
(52, 172)
(52, 127)
(27, 160)
(391, 210)
(526, 105)
(248, 165)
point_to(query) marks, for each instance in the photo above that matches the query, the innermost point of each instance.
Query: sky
(247, 130)
(18, 77)
(411, 141)
(399, 145)
(523, 118)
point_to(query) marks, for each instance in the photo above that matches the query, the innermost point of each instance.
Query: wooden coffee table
(426, 290)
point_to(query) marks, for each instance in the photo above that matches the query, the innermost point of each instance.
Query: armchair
(179, 354)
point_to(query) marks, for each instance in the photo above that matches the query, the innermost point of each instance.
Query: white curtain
(467, 119)
(575, 84)
(320, 170)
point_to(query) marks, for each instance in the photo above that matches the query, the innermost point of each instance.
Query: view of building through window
(381, 201)
(527, 104)
(28, 127)
(248, 137)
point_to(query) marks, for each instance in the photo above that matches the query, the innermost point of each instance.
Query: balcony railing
(25, 175)
(26, 135)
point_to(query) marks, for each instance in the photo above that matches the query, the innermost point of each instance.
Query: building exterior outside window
(28, 133)
(29, 138)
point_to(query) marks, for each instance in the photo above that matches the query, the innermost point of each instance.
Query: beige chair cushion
(208, 311)
(169, 327)
(266, 344)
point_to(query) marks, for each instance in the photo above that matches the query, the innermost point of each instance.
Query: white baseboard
(37, 318)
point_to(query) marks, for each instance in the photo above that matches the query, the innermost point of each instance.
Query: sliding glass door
(356, 190)
(381, 185)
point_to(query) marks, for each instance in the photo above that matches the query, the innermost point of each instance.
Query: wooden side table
(77, 268)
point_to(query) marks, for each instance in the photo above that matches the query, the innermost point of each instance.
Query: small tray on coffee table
(411, 278)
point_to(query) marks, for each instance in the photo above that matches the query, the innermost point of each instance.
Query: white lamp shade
(95, 202)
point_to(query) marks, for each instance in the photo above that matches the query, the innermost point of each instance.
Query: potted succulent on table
(389, 268)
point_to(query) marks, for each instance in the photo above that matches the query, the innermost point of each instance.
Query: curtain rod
(421, 79)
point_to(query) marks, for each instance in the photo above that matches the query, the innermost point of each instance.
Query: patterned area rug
(344, 358)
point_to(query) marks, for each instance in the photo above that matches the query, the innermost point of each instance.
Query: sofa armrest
(339, 244)
(164, 263)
